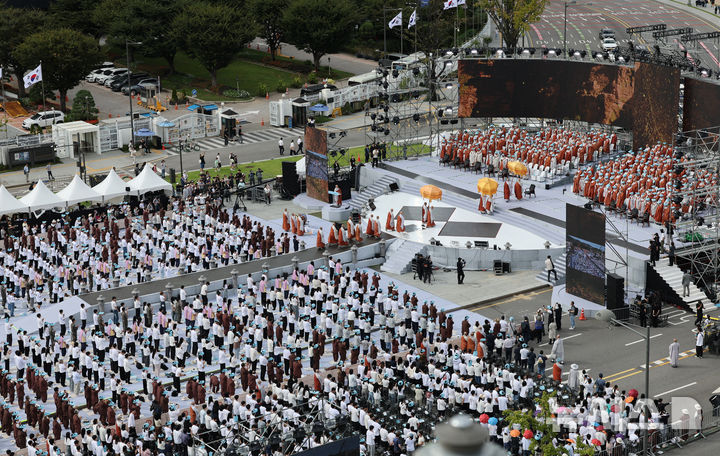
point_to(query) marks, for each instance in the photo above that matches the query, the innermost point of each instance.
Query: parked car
(120, 82)
(135, 87)
(102, 78)
(606, 33)
(43, 119)
(91, 77)
(609, 44)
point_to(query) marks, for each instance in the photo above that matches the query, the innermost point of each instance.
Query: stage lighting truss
(700, 227)
(276, 431)
(400, 112)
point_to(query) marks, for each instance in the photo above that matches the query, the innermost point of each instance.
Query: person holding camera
(460, 271)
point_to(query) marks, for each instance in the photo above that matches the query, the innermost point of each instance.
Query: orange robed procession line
(506, 191)
(376, 227)
(319, 240)
(293, 226)
(358, 236)
(341, 238)
(369, 229)
(300, 230)
(285, 223)
(332, 240)
(518, 190)
(429, 223)
(389, 222)
(399, 224)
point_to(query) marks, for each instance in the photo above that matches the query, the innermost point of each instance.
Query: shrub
(281, 86)
(174, 96)
(234, 93)
(262, 89)
(346, 109)
(312, 78)
(296, 82)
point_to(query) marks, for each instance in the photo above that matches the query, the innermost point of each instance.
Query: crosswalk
(258, 136)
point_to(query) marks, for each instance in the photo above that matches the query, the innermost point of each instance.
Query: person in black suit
(460, 271)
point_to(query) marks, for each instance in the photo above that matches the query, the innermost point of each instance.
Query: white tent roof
(148, 181)
(78, 191)
(9, 204)
(41, 198)
(111, 187)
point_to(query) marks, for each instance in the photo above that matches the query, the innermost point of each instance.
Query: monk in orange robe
(319, 240)
(389, 221)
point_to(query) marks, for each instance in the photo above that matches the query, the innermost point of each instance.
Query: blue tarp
(193, 107)
(210, 107)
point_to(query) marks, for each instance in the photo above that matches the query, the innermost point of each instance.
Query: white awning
(9, 204)
(111, 187)
(148, 181)
(41, 198)
(78, 191)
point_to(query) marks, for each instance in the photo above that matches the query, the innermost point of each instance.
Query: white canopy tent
(111, 187)
(9, 204)
(300, 167)
(148, 181)
(78, 191)
(41, 198)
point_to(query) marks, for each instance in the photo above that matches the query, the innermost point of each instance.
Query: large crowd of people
(196, 373)
(642, 183)
(550, 150)
(43, 262)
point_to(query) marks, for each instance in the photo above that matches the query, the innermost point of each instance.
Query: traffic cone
(582, 315)
(267, 96)
(176, 106)
(262, 122)
(109, 116)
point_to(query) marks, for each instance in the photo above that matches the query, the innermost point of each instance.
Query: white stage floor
(462, 220)
(548, 204)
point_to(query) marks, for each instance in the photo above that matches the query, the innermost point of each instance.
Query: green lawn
(247, 72)
(273, 167)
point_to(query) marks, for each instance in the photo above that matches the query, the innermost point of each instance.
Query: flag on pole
(397, 20)
(33, 76)
(460, 2)
(450, 4)
(411, 22)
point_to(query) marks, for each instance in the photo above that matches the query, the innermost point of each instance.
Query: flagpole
(401, 33)
(457, 17)
(42, 86)
(385, 25)
(4, 102)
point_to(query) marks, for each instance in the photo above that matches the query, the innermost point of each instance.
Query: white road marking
(675, 389)
(642, 340)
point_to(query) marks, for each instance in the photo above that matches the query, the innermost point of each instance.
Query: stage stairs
(376, 189)
(399, 256)
(672, 277)
(560, 267)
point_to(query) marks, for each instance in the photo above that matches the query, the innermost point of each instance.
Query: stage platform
(453, 226)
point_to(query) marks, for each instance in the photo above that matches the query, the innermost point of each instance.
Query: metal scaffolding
(698, 229)
(288, 430)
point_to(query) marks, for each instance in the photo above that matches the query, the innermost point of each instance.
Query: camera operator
(460, 271)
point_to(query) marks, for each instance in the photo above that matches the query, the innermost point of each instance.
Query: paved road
(620, 354)
(586, 19)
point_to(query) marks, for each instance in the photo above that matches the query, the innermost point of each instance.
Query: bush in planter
(346, 109)
(296, 82)
(234, 93)
(281, 86)
(312, 78)
(262, 89)
(174, 97)
(83, 107)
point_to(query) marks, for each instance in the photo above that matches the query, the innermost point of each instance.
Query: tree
(74, 14)
(212, 34)
(83, 107)
(67, 57)
(16, 24)
(320, 27)
(144, 21)
(513, 17)
(269, 15)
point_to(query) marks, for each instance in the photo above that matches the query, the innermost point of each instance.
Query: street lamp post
(566, 6)
(130, 98)
(609, 316)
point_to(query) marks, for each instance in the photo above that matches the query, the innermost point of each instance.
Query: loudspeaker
(172, 175)
(547, 186)
(290, 184)
(394, 187)
(371, 204)
(127, 189)
(615, 292)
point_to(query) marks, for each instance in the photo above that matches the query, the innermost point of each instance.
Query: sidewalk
(343, 62)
